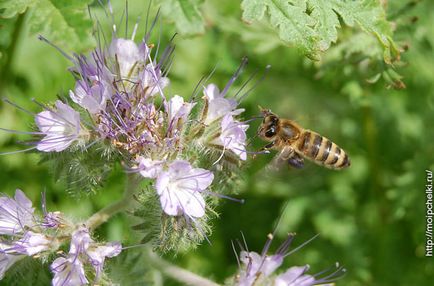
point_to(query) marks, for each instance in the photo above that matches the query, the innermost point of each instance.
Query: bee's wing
(286, 156)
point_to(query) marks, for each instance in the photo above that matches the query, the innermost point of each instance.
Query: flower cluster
(258, 269)
(23, 233)
(119, 111)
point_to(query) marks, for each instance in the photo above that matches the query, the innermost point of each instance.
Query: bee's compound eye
(270, 132)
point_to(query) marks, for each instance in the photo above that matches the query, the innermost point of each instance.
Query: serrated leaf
(185, 14)
(66, 23)
(253, 10)
(293, 24)
(370, 16)
(312, 25)
(13, 7)
(327, 22)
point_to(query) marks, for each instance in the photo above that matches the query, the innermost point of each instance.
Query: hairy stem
(104, 214)
(179, 274)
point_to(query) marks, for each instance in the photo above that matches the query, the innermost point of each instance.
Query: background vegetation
(371, 217)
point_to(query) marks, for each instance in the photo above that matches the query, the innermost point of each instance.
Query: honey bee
(296, 143)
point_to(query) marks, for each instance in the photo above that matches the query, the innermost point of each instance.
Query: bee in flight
(296, 143)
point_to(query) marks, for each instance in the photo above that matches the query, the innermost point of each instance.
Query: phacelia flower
(259, 269)
(7, 259)
(128, 56)
(32, 243)
(61, 127)
(233, 136)
(24, 233)
(70, 270)
(15, 214)
(180, 189)
(218, 105)
(149, 168)
(92, 97)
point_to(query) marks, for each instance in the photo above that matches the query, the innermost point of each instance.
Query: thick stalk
(179, 274)
(104, 214)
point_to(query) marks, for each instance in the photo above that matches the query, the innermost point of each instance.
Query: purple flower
(128, 56)
(177, 109)
(180, 189)
(233, 136)
(15, 214)
(83, 250)
(52, 219)
(61, 127)
(259, 264)
(68, 272)
(218, 105)
(6, 259)
(295, 276)
(149, 168)
(152, 81)
(32, 243)
(92, 98)
(258, 269)
(80, 241)
(98, 253)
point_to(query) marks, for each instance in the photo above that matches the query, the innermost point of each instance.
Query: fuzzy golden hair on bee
(294, 143)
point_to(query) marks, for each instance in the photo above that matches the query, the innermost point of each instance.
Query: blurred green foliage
(370, 217)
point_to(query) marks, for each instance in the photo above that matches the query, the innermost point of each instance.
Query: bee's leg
(268, 146)
(265, 148)
(286, 153)
(296, 161)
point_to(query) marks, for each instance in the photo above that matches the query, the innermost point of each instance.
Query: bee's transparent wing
(286, 157)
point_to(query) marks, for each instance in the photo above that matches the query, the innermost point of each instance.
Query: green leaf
(13, 7)
(185, 14)
(253, 10)
(312, 25)
(370, 16)
(327, 22)
(65, 23)
(289, 18)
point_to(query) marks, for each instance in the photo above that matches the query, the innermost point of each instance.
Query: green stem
(104, 214)
(179, 274)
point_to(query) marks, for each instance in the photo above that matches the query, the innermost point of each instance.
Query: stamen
(301, 246)
(244, 62)
(241, 201)
(126, 19)
(236, 254)
(41, 38)
(195, 91)
(267, 68)
(16, 152)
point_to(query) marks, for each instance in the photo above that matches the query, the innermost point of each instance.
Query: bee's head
(268, 129)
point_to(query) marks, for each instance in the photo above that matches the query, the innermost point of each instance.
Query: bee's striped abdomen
(322, 151)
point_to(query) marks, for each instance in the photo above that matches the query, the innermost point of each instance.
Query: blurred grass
(370, 217)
